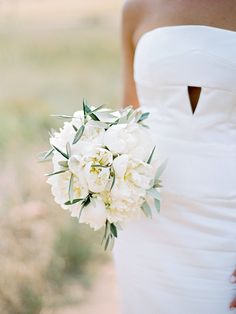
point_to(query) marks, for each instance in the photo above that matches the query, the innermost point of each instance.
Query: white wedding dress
(180, 261)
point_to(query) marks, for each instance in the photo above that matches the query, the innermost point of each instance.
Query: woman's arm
(129, 21)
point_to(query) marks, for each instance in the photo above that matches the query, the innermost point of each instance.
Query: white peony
(105, 166)
(132, 178)
(130, 139)
(92, 137)
(93, 133)
(75, 164)
(56, 159)
(94, 214)
(132, 173)
(60, 188)
(64, 136)
(122, 209)
(97, 177)
(78, 119)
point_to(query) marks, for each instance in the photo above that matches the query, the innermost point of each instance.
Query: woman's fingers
(233, 280)
(233, 304)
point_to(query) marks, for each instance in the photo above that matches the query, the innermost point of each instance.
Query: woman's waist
(185, 143)
(185, 222)
(197, 169)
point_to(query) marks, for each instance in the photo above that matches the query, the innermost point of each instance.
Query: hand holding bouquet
(103, 169)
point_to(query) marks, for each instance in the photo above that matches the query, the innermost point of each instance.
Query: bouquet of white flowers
(103, 169)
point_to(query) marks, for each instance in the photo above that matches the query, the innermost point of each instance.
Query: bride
(179, 62)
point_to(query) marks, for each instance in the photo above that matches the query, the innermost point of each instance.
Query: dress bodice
(169, 59)
(183, 257)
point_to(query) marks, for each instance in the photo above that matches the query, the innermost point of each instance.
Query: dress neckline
(181, 26)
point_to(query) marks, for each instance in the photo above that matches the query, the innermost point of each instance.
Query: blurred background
(52, 54)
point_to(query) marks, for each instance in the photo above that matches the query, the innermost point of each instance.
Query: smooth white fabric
(180, 261)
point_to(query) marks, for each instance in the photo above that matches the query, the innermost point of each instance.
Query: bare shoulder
(131, 7)
(133, 12)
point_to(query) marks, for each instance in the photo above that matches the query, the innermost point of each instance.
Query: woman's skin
(141, 16)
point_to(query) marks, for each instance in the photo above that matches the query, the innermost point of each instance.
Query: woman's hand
(233, 280)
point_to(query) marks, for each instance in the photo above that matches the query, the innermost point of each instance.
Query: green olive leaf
(160, 169)
(154, 193)
(113, 229)
(151, 155)
(146, 209)
(54, 173)
(78, 134)
(61, 152)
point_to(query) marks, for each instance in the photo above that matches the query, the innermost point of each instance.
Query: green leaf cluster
(153, 192)
(109, 235)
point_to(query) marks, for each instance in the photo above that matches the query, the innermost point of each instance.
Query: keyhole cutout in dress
(194, 93)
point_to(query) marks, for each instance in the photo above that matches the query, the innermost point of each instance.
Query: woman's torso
(197, 49)
(183, 257)
(154, 14)
(200, 146)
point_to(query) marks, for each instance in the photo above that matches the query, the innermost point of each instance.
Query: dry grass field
(52, 54)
